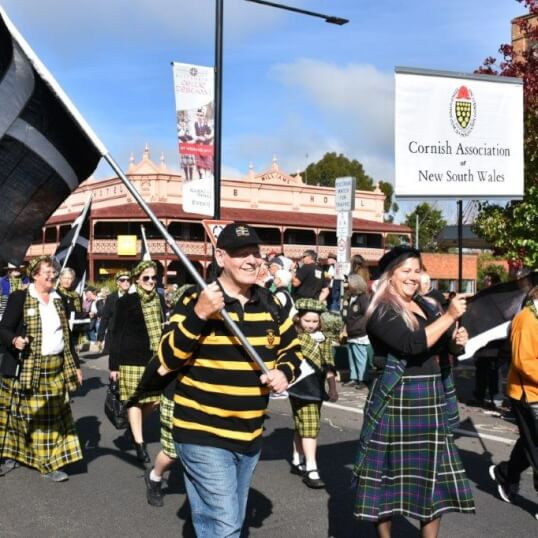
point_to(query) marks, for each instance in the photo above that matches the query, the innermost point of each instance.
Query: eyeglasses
(48, 273)
(123, 279)
(147, 278)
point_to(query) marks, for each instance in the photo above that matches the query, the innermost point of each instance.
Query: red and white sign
(213, 228)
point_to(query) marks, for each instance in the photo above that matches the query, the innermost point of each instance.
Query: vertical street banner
(194, 93)
(458, 136)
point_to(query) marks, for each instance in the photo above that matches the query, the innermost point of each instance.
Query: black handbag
(9, 363)
(114, 409)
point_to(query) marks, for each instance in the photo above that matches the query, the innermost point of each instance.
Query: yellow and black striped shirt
(219, 400)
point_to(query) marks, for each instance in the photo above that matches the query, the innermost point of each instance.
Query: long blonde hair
(385, 296)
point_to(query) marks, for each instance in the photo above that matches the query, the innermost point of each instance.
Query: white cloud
(356, 101)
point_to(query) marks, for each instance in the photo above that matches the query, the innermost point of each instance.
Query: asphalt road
(105, 495)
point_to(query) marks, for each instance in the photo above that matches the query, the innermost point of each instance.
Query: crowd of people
(172, 352)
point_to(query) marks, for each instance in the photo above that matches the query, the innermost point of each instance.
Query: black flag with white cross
(44, 151)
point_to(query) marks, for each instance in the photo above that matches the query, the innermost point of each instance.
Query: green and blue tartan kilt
(411, 466)
(129, 378)
(306, 417)
(40, 428)
(167, 414)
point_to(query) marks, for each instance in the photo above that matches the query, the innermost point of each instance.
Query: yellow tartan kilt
(306, 416)
(40, 428)
(167, 414)
(129, 378)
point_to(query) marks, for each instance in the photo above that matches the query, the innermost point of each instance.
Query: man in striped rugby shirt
(221, 395)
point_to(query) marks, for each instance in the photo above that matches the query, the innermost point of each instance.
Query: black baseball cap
(396, 255)
(235, 236)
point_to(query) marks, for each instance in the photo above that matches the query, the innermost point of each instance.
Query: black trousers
(487, 377)
(525, 451)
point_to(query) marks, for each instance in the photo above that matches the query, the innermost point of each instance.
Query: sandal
(312, 482)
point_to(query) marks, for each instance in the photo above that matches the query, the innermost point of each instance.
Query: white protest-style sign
(194, 92)
(214, 227)
(344, 193)
(458, 136)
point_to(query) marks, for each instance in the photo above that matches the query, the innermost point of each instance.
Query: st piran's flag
(77, 252)
(495, 305)
(44, 152)
(490, 312)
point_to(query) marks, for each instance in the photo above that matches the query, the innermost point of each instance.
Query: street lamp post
(219, 26)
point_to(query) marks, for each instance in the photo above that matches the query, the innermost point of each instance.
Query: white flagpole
(82, 218)
(147, 253)
(56, 88)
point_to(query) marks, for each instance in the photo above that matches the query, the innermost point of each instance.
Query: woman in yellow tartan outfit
(36, 425)
(135, 335)
(306, 403)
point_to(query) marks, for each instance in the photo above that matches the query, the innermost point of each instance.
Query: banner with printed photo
(194, 92)
(458, 136)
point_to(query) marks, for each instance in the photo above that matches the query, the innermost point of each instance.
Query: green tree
(332, 165)
(390, 207)
(491, 268)
(431, 222)
(512, 229)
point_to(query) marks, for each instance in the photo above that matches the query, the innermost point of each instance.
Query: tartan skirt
(167, 414)
(40, 428)
(306, 417)
(129, 378)
(412, 466)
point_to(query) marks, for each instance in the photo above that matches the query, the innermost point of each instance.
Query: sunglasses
(147, 278)
(124, 279)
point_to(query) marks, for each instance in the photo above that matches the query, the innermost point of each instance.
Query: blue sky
(294, 86)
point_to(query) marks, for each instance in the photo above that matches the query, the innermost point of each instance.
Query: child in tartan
(316, 349)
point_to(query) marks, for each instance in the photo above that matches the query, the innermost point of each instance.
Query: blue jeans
(358, 361)
(217, 483)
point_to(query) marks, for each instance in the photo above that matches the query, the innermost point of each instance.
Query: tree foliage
(431, 222)
(333, 165)
(512, 229)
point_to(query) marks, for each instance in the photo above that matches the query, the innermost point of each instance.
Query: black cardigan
(106, 315)
(129, 340)
(12, 323)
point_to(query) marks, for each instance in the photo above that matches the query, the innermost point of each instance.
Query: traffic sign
(213, 228)
(344, 220)
(344, 193)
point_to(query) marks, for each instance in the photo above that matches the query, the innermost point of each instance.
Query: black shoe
(8, 466)
(360, 386)
(505, 489)
(142, 453)
(298, 469)
(314, 483)
(154, 492)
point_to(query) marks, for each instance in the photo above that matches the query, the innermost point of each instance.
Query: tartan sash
(380, 395)
(31, 366)
(320, 353)
(151, 310)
